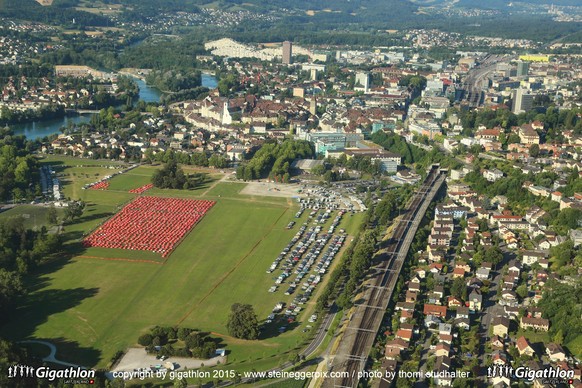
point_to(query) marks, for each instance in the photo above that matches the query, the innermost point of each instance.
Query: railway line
(477, 80)
(350, 360)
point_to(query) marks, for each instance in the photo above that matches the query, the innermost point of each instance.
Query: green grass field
(128, 181)
(94, 302)
(34, 216)
(112, 302)
(91, 306)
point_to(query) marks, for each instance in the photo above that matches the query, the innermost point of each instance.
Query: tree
(170, 176)
(74, 210)
(567, 219)
(559, 337)
(10, 288)
(217, 161)
(459, 289)
(51, 215)
(10, 355)
(561, 255)
(318, 170)
(562, 305)
(145, 340)
(183, 332)
(493, 255)
(243, 322)
(157, 341)
(294, 358)
(226, 84)
(194, 340)
(521, 291)
(534, 150)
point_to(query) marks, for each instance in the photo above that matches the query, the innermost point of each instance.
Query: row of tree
(345, 279)
(22, 251)
(359, 163)
(274, 159)
(163, 341)
(196, 158)
(355, 264)
(18, 171)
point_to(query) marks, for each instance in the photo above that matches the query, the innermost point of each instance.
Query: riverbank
(41, 128)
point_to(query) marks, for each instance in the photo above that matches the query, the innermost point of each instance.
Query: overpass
(358, 338)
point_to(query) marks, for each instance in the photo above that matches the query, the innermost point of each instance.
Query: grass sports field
(98, 301)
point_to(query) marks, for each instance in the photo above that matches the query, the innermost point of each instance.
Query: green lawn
(33, 216)
(227, 190)
(575, 346)
(94, 307)
(129, 180)
(534, 336)
(91, 308)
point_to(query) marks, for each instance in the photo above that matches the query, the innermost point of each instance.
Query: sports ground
(97, 301)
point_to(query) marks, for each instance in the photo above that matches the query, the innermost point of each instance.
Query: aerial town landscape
(364, 193)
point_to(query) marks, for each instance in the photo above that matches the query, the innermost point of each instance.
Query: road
(491, 308)
(321, 333)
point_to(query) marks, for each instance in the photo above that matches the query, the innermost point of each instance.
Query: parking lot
(269, 189)
(301, 265)
(137, 358)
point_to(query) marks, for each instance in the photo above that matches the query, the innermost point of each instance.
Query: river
(42, 128)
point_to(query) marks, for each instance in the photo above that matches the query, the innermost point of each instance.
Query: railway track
(349, 363)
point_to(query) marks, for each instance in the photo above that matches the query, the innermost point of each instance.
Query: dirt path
(52, 356)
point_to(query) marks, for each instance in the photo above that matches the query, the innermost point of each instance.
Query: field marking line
(78, 314)
(216, 182)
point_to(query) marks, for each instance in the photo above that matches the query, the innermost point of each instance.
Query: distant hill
(315, 21)
(360, 10)
(504, 4)
(59, 13)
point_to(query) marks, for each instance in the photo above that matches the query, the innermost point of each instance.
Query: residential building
(523, 347)
(287, 53)
(534, 323)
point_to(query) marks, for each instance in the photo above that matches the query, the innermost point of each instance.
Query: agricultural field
(98, 301)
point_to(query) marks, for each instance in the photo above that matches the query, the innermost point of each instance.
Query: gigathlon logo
(50, 374)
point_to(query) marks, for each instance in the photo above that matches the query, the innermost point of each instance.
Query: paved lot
(138, 358)
(266, 189)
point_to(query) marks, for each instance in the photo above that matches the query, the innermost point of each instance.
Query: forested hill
(356, 7)
(375, 8)
(58, 13)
